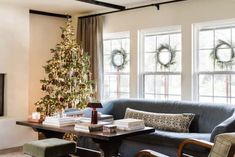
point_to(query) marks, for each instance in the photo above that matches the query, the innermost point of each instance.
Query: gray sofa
(210, 120)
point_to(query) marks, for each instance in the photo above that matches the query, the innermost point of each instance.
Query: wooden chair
(224, 146)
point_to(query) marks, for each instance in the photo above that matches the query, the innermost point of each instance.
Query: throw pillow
(163, 121)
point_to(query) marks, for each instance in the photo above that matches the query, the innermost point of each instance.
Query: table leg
(109, 148)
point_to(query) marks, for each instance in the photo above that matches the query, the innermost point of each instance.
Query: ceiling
(73, 6)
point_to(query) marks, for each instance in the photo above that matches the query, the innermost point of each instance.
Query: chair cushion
(223, 144)
(163, 121)
(52, 147)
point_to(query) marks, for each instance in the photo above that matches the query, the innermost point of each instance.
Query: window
(214, 83)
(116, 80)
(157, 81)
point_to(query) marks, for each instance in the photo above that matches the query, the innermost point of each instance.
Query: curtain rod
(138, 7)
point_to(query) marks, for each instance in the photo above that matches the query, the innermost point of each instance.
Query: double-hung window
(116, 58)
(161, 64)
(214, 79)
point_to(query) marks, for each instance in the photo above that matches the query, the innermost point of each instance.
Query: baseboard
(10, 150)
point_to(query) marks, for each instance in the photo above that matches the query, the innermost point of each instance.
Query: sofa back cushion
(163, 121)
(207, 116)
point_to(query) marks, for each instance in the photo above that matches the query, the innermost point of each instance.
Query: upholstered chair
(224, 146)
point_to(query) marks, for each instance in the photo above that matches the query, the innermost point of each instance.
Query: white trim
(154, 31)
(196, 28)
(115, 35)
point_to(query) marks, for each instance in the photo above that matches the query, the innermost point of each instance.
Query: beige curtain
(90, 37)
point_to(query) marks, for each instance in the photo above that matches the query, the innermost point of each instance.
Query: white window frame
(195, 36)
(113, 36)
(141, 73)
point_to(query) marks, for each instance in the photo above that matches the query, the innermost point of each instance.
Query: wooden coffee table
(109, 143)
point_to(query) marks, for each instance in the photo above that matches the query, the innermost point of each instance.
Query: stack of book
(101, 118)
(88, 127)
(58, 122)
(129, 124)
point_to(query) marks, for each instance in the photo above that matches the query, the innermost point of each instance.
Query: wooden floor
(12, 152)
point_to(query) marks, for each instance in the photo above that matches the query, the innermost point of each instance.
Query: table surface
(96, 135)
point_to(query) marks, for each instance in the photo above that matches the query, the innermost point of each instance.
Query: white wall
(25, 43)
(14, 61)
(182, 13)
(45, 33)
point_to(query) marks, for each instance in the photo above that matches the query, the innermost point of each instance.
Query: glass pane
(206, 39)
(127, 66)
(175, 41)
(223, 34)
(206, 99)
(123, 95)
(160, 97)
(149, 84)
(233, 102)
(149, 44)
(116, 44)
(113, 95)
(218, 100)
(124, 83)
(205, 85)
(149, 96)
(161, 84)
(205, 61)
(107, 47)
(233, 85)
(233, 35)
(174, 84)
(107, 63)
(149, 61)
(162, 39)
(171, 97)
(106, 86)
(126, 45)
(177, 66)
(220, 82)
(113, 83)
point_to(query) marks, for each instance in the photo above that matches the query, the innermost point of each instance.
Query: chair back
(224, 145)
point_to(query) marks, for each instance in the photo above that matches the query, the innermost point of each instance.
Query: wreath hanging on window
(119, 59)
(223, 62)
(166, 63)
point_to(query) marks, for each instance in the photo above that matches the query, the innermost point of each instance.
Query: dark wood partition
(2, 78)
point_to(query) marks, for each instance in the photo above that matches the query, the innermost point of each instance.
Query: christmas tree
(68, 73)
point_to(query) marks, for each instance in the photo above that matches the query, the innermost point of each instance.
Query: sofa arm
(201, 143)
(226, 126)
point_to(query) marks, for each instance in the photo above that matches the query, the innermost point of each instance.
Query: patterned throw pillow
(163, 121)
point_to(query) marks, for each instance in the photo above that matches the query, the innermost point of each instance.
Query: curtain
(90, 37)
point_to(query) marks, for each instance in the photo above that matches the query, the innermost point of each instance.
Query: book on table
(129, 124)
(58, 122)
(102, 118)
(88, 127)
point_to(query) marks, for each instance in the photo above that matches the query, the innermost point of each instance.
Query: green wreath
(214, 55)
(119, 53)
(172, 55)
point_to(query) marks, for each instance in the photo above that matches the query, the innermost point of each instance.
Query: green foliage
(68, 82)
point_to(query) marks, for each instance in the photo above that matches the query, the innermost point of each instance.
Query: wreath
(217, 59)
(172, 55)
(119, 59)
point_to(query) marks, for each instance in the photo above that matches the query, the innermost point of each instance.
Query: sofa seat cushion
(166, 138)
